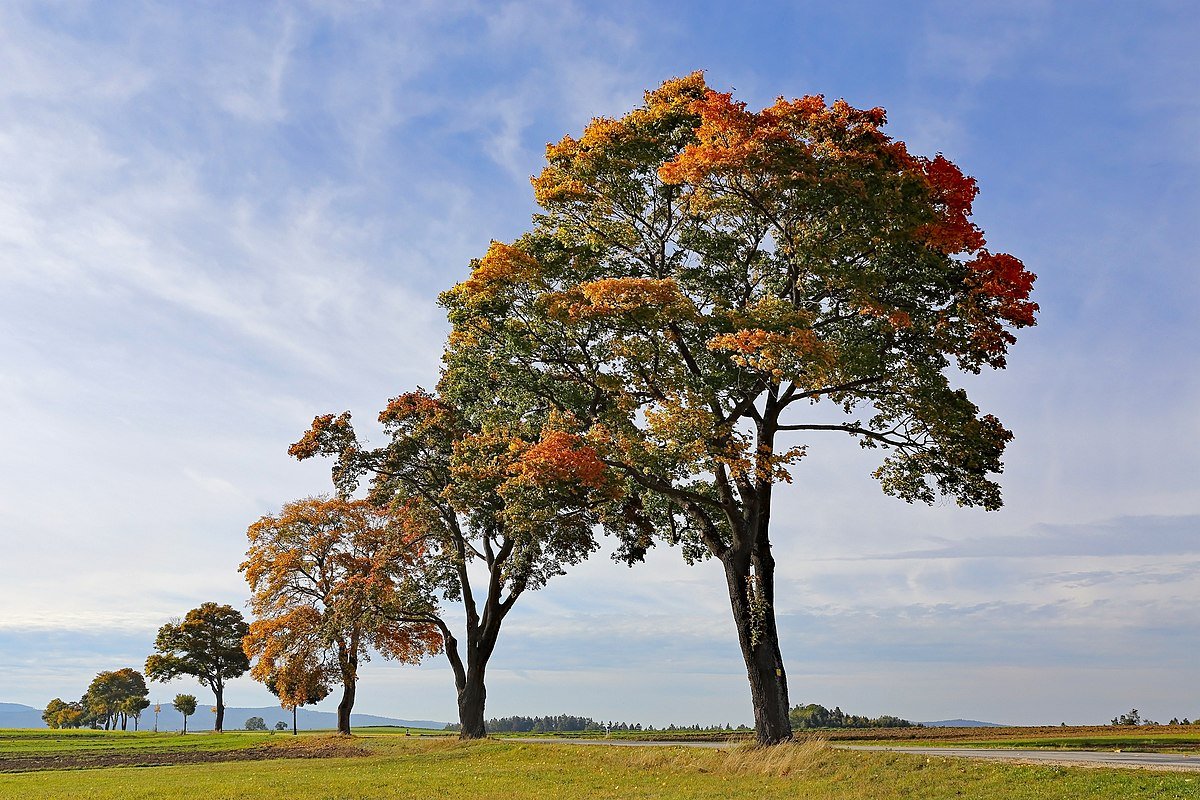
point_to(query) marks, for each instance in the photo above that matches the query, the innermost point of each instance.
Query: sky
(218, 220)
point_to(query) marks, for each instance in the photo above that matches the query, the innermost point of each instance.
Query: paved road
(1091, 758)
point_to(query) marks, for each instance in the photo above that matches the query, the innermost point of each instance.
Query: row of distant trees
(817, 716)
(112, 699)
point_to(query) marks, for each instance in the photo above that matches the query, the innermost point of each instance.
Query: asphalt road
(1088, 758)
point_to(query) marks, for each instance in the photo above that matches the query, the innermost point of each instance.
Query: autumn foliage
(706, 281)
(329, 581)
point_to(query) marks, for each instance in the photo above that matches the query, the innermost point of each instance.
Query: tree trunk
(294, 731)
(471, 697)
(220, 693)
(344, 707)
(124, 722)
(185, 716)
(751, 583)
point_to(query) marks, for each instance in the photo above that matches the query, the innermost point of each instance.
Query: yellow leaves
(502, 268)
(644, 298)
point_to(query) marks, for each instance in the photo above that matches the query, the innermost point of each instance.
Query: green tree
(256, 724)
(705, 286)
(506, 493)
(185, 704)
(282, 726)
(114, 696)
(207, 645)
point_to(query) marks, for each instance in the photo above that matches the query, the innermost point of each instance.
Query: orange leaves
(327, 575)
(561, 458)
(324, 428)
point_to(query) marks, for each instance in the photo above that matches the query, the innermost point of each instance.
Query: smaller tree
(185, 704)
(256, 724)
(61, 714)
(297, 684)
(281, 725)
(207, 645)
(330, 582)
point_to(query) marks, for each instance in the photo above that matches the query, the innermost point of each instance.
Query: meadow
(390, 765)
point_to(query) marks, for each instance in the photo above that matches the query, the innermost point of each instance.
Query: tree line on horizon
(704, 291)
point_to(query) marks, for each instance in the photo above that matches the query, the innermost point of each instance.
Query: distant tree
(61, 714)
(1132, 718)
(330, 581)
(185, 704)
(296, 685)
(256, 724)
(114, 696)
(281, 725)
(207, 645)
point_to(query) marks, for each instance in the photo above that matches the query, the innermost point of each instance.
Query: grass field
(396, 766)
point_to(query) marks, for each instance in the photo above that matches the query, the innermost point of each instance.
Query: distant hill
(962, 723)
(14, 715)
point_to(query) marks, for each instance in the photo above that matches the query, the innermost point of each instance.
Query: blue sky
(218, 220)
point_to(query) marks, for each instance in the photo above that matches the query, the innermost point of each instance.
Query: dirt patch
(164, 758)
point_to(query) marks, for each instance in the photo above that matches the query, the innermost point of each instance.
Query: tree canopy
(330, 580)
(707, 284)
(206, 644)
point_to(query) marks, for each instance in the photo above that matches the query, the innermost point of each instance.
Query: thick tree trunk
(751, 584)
(344, 707)
(220, 723)
(471, 697)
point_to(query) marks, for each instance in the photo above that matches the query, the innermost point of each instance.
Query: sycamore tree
(206, 644)
(331, 580)
(501, 503)
(708, 288)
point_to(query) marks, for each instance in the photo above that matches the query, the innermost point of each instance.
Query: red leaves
(954, 193)
(1004, 278)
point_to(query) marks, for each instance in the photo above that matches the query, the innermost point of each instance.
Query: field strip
(1088, 758)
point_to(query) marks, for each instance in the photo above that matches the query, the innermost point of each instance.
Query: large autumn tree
(331, 580)
(500, 502)
(709, 287)
(206, 644)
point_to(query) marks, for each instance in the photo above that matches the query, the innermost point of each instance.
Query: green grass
(1152, 743)
(404, 767)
